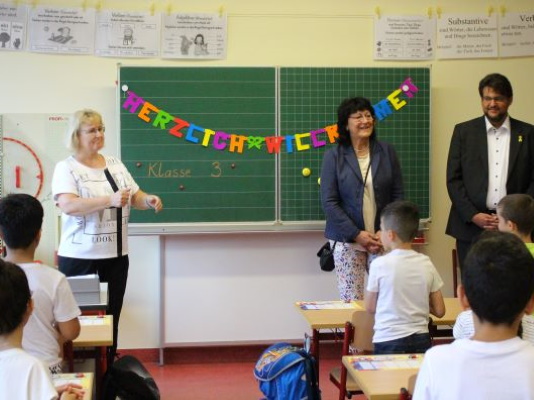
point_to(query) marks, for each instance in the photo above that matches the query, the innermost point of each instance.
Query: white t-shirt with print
(24, 377)
(92, 236)
(53, 302)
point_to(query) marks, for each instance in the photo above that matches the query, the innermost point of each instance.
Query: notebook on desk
(326, 305)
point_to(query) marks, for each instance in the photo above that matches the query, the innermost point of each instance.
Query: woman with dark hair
(359, 177)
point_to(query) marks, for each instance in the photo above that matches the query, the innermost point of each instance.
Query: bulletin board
(239, 145)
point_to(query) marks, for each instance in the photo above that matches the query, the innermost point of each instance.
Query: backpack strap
(314, 393)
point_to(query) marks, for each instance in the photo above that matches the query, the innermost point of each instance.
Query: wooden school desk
(85, 379)
(452, 309)
(381, 377)
(326, 315)
(98, 308)
(96, 331)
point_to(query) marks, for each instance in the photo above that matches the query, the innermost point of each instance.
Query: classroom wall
(222, 288)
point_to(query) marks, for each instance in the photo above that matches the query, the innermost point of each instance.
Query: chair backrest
(407, 393)
(411, 383)
(359, 336)
(455, 270)
(363, 323)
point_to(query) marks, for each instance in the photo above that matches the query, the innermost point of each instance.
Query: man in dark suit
(489, 157)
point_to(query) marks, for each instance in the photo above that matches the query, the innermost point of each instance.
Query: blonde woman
(95, 193)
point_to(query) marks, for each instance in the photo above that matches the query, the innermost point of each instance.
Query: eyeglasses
(360, 117)
(496, 99)
(94, 130)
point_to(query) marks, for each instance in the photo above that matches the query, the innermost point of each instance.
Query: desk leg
(315, 350)
(68, 354)
(101, 362)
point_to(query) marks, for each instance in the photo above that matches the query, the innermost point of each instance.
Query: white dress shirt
(498, 160)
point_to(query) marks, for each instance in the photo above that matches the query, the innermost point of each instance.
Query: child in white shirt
(515, 213)
(55, 315)
(22, 376)
(403, 286)
(494, 364)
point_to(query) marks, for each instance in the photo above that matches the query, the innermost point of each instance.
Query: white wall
(221, 286)
(241, 287)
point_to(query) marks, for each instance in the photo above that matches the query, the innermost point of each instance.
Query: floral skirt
(351, 266)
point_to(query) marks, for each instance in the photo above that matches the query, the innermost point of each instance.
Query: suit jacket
(342, 188)
(467, 172)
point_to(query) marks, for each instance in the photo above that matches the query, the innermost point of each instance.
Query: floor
(222, 381)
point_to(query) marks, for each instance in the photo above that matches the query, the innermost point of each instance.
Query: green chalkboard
(309, 99)
(257, 183)
(198, 183)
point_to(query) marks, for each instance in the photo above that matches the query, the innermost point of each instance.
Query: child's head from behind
(498, 277)
(21, 218)
(516, 214)
(401, 217)
(15, 296)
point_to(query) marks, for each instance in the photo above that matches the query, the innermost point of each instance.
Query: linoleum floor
(223, 381)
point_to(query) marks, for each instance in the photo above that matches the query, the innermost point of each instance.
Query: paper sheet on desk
(388, 362)
(326, 305)
(64, 381)
(93, 320)
(88, 276)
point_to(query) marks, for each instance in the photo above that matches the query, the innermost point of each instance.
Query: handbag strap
(368, 168)
(119, 212)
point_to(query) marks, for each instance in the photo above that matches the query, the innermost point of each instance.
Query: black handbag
(326, 257)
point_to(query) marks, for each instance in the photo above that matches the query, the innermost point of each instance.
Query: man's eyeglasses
(496, 99)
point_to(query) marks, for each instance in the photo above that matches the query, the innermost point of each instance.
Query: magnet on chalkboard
(233, 166)
(138, 164)
(182, 187)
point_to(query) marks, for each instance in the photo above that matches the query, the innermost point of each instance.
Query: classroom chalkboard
(224, 145)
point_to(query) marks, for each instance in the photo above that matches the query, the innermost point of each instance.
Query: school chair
(357, 339)
(454, 270)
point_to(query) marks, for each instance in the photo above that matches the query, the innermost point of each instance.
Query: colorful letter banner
(234, 143)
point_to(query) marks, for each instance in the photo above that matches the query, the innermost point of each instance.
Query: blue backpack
(286, 372)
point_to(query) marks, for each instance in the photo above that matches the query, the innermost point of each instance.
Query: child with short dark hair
(55, 317)
(498, 285)
(403, 285)
(515, 213)
(22, 376)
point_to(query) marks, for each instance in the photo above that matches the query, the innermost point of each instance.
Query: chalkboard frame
(277, 224)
